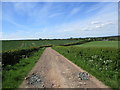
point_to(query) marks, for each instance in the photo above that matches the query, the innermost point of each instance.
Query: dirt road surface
(55, 71)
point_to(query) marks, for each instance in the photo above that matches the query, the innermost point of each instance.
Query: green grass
(113, 44)
(100, 62)
(12, 45)
(14, 75)
(0, 76)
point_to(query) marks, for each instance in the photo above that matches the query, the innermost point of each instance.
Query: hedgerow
(12, 57)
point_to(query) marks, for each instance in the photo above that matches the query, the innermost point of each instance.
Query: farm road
(56, 71)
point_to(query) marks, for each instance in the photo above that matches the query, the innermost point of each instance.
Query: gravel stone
(83, 76)
(34, 79)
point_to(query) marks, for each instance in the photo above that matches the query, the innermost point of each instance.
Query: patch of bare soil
(55, 71)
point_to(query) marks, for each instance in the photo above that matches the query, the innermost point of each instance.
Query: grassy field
(100, 62)
(113, 44)
(13, 75)
(11, 45)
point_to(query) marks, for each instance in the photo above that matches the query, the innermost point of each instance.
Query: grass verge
(14, 75)
(100, 62)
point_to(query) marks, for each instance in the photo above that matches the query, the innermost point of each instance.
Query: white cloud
(95, 7)
(55, 14)
(10, 20)
(34, 11)
(0, 34)
(101, 24)
(24, 8)
(75, 10)
(74, 29)
(95, 22)
(98, 26)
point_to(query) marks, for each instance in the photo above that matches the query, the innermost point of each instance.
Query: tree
(71, 38)
(40, 38)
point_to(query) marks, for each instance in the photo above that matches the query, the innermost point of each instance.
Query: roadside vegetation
(100, 62)
(13, 75)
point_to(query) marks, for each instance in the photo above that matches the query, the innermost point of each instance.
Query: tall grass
(14, 75)
(100, 62)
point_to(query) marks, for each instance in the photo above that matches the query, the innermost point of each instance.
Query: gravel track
(56, 71)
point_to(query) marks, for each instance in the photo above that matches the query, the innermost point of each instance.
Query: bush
(13, 57)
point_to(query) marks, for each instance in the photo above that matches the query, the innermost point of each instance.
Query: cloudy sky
(31, 20)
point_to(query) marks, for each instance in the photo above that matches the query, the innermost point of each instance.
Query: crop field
(101, 62)
(12, 45)
(112, 44)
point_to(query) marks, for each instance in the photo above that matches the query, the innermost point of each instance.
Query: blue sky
(31, 20)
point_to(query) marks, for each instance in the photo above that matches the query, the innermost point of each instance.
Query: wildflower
(90, 60)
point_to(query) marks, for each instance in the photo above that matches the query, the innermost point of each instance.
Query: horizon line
(59, 38)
